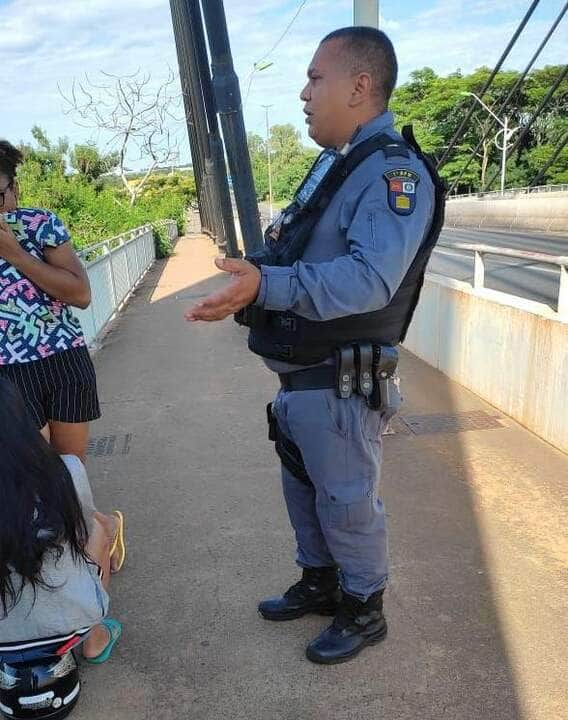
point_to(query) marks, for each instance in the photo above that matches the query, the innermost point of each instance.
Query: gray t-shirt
(78, 599)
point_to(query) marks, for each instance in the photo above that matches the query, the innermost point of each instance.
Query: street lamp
(262, 65)
(259, 67)
(507, 134)
(266, 108)
(256, 67)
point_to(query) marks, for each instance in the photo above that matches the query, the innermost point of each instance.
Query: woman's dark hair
(10, 158)
(39, 508)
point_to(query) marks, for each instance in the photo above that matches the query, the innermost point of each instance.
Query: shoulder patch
(401, 190)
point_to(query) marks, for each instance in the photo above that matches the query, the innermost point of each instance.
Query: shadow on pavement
(182, 450)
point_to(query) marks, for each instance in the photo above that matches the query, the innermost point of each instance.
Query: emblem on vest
(401, 190)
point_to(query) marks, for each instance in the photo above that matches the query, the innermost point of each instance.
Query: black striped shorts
(61, 387)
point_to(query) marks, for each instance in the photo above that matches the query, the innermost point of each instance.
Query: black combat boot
(356, 625)
(317, 592)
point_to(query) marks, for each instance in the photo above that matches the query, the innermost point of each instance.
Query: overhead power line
(273, 48)
(511, 95)
(286, 31)
(496, 69)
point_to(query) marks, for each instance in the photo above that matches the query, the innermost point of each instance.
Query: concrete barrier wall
(510, 351)
(547, 212)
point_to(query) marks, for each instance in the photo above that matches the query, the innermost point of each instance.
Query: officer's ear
(362, 89)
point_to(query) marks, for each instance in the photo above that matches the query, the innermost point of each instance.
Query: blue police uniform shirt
(364, 243)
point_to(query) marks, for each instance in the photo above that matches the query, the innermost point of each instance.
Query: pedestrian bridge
(477, 599)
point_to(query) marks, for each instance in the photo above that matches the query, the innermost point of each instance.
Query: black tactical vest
(289, 337)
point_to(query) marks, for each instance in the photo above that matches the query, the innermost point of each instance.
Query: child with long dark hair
(54, 546)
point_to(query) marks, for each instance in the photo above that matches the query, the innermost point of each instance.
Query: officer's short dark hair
(369, 50)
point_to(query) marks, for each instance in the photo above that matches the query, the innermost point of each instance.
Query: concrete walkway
(477, 602)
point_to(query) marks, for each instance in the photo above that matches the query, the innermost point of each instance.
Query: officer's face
(327, 97)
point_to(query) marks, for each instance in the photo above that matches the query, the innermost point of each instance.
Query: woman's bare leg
(73, 439)
(70, 438)
(98, 549)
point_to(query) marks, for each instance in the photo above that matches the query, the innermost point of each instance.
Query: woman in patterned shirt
(42, 348)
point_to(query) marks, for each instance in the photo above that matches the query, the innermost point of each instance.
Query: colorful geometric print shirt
(33, 325)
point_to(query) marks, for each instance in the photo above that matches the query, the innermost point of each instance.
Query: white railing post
(128, 266)
(94, 319)
(478, 270)
(108, 251)
(137, 256)
(147, 247)
(563, 293)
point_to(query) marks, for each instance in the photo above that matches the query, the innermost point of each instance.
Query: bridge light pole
(366, 12)
(266, 108)
(507, 134)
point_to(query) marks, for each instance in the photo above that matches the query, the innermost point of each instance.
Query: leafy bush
(162, 241)
(94, 212)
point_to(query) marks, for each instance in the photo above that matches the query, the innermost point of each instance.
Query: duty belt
(363, 368)
(316, 378)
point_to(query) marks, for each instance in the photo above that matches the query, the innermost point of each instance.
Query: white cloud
(487, 7)
(43, 44)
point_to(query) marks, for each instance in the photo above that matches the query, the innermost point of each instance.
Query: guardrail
(115, 267)
(509, 192)
(479, 251)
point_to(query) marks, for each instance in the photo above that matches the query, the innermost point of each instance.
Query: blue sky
(45, 44)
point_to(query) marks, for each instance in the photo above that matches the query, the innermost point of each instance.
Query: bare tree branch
(134, 114)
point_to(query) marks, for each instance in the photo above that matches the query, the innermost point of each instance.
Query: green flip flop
(115, 631)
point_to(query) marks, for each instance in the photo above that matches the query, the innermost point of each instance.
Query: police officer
(327, 302)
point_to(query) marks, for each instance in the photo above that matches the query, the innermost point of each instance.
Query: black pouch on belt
(289, 453)
(385, 361)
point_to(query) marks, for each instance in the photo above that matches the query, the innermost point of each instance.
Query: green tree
(436, 105)
(95, 211)
(290, 161)
(47, 155)
(285, 143)
(90, 163)
(259, 164)
(537, 157)
(288, 176)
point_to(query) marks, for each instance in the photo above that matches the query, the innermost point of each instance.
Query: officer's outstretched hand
(244, 287)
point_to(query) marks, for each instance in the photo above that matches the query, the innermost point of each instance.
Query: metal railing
(171, 227)
(509, 192)
(480, 251)
(115, 267)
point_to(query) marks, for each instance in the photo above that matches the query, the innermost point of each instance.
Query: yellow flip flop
(118, 546)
